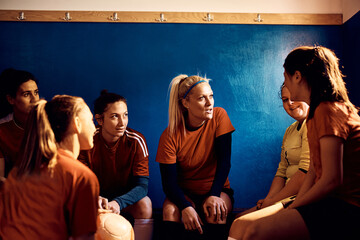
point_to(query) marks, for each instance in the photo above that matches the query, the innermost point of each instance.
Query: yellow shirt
(295, 152)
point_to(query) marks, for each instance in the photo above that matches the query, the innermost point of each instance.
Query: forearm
(289, 189)
(171, 188)
(277, 184)
(138, 192)
(223, 151)
(318, 191)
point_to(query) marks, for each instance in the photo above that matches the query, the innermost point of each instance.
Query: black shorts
(331, 218)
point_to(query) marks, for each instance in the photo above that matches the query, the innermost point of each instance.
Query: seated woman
(294, 164)
(49, 194)
(120, 160)
(327, 205)
(19, 93)
(194, 154)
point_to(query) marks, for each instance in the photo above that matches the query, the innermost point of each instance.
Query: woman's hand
(215, 207)
(259, 204)
(191, 219)
(103, 203)
(114, 207)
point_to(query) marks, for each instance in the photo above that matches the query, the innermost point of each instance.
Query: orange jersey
(194, 153)
(115, 166)
(334, 119)
(11, 136)
(50, 206)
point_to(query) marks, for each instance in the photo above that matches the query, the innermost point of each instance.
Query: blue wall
(139, 61)
(352, 57)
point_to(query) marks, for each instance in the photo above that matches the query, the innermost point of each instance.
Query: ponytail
(176, 117)
(39, 146)
(47, 125)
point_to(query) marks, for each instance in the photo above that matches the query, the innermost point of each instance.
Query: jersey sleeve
(224, 124)
(329, 121)
(141, 161)
(166, 152)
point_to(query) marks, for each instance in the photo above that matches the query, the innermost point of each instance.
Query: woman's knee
(171, 212)
(145, 207)
(238, 228)
(142, 209)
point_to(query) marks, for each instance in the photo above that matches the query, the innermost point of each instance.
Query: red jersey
(334, 119)
(194, 153)
(115, 166)
(50, 205)
(11, 136)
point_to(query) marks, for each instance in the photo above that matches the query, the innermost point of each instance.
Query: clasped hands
(215, 211)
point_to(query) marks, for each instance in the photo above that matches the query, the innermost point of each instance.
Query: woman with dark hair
(49, 194)
(328, 203)
(19, 92)
(120, 160)
(194, 153)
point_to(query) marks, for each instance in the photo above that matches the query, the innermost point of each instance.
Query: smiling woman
(194, 154)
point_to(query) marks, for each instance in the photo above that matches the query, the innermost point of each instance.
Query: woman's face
(114, 121)
(26, 97)
(86, 136)
(199, 104)
(297, 86)
(296, 109)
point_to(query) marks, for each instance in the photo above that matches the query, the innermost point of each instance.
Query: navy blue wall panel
(352, 57)
(139, 61)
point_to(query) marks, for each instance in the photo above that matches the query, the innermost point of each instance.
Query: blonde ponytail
(180, 87)
(39, 145)
(176, 116)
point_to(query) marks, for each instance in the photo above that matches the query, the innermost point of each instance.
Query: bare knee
(171, 212)
(238, 228)
(252, 231)
(142, 209)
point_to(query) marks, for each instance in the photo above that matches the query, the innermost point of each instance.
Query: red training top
(50, 205)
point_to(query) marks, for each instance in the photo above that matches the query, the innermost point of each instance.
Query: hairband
(187, 92)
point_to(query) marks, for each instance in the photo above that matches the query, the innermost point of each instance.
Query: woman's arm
(223, 151)
(171, 188)
(290, 189)
(331, 153)
(214, 205)
(139, 191)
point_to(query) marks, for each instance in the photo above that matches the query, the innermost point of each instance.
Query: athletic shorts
(331, 218)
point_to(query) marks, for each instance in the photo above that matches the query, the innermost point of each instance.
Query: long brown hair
(320, 68)
(47, 125)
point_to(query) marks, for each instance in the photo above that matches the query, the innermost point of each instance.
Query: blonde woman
(194, 154)
(49, 194)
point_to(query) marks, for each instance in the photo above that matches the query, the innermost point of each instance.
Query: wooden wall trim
(173, 17)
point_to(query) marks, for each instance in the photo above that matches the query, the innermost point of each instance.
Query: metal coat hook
(208, 18)
(258, 18)
(162, 18)
(114, 17)
(21, 16)
(67, 17)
